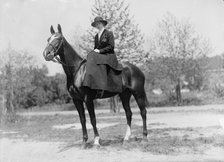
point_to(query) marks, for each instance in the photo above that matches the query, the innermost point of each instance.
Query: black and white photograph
(111, 80)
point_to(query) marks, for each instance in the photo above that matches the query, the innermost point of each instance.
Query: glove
(96, 50)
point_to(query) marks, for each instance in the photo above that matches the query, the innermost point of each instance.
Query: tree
(59, 90)
(128, 38)
(177, 48)
(40, 84)
(45, 89)
(13, 76)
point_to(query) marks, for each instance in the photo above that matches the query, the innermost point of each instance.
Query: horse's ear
(52, 30)
(59, 28)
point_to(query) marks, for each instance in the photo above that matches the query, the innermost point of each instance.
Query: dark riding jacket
(106, 42)
(106, 47)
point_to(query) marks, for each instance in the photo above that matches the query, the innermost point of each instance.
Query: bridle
(55, 53)
(56, 50)
(58, 60)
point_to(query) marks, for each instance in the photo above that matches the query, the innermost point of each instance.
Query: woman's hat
(99, 19)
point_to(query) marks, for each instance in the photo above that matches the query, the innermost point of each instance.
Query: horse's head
(54, 44)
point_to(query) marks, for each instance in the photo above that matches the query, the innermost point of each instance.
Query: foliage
(14, 78)
(215, 83)
(46, 89)
(25, 84)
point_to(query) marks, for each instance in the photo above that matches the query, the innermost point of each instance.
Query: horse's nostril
(48, 56)
(45, 54)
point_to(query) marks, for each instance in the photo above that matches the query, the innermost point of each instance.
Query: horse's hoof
(126, 144)
(84, 146)
(126, 141)
(134, 139)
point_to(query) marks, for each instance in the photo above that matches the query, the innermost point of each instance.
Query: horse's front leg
(90, 107)
(81, 111)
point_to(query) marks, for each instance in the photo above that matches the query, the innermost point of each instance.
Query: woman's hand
(96, 50)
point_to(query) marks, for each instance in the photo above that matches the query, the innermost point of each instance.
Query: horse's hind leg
(125, 99)
(141, 100)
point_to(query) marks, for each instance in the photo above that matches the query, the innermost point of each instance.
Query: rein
(58, 60)
(56, 50)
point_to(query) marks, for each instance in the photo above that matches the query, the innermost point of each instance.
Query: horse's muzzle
(48, 56)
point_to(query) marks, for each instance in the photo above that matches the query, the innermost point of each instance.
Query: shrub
(218, 89)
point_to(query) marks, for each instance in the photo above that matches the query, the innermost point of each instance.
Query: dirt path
(183, 135)
(19, 151)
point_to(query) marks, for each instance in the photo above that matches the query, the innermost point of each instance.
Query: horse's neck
(70, 57)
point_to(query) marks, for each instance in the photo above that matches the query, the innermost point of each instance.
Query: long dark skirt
(102, 76)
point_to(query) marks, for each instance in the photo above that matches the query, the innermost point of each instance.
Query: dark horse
(59, 50)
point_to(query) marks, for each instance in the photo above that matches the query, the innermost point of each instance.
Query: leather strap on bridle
(58, 60)
(55, 52)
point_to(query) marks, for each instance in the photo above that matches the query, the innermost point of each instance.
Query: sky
(24, 24)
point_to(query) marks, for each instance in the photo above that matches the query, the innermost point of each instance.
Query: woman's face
(99, 26)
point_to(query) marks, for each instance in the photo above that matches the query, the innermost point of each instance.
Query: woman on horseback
(103, 71)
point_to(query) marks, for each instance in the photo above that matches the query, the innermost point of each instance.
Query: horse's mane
(73, 49)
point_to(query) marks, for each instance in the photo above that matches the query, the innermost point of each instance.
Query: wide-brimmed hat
(99, 19)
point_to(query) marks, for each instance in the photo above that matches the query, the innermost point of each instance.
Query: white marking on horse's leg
(128, 133)
(97, 140)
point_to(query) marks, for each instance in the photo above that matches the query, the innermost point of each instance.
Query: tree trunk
(3, 109)
(114, 106)
(178, 93)
(10, 113)
(9, 102)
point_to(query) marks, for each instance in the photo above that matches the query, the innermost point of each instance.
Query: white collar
(100, 32)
